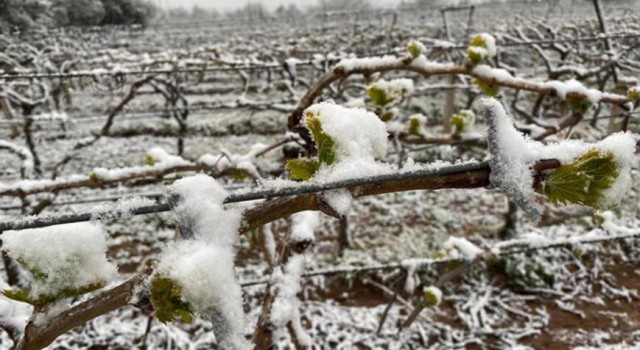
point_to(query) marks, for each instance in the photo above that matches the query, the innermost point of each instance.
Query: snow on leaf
(70, 259)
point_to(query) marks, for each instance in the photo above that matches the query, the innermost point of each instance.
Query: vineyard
(443, 177)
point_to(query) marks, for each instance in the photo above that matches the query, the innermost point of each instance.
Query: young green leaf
(583, 181)
(414, 48)
(324, 143)
(432, 296)
(149, 160)
(302, 169)
(415, 127)
(579, 105)
(378, 96)
(166, 297)
(487, 89)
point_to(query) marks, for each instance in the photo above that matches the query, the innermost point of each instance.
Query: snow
(513, 154)
(415, 46)
(468, 250)
(351, 64)
(435, 293)
(487, 72)
(357, 133)
(72, 256)
(122, 209)
(228, 160)
(422, 62)
(205, 273)
(360, 139)
(339, 200)
(411, 281)
(396, 89)
(201, 199)
(203, 263)
(353, 169)
(13, 314)
(304, 225)
(285, 308)
(562, 88)
(622, 145)
(490, 44)
(23, 153)
(161, 162)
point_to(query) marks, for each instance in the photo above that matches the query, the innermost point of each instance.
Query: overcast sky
(224, 5)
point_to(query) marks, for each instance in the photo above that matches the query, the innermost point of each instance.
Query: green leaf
(579, 105)
(20, 295)
(633, 94)
(240, 175)
(414, 127)
(378, 96)
(478, 41)
(432, 296)
(474, 56)
(458, 122)
(388, 115)
(474, 52)
(93, 177)
(149, 160)
(166, 297)
(302, 169)
(24, 295)
(487, 89)
(583, 181)
(324, 143)
(414, 48)
(34, 271)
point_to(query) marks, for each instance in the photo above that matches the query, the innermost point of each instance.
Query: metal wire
(243, 196)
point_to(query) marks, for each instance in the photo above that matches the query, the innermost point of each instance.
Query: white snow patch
(204, 266)
(513, 154)
(13, 314)
(71, 256)
(339, 200)
(286, 306)
(304, 225)
(468, 250)
(356, 132)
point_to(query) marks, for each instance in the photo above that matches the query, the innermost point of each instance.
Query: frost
(63, 257)
(203, 263)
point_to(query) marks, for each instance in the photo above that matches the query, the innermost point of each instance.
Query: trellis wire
(245, 196)
(82, 74)
(424, 263)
